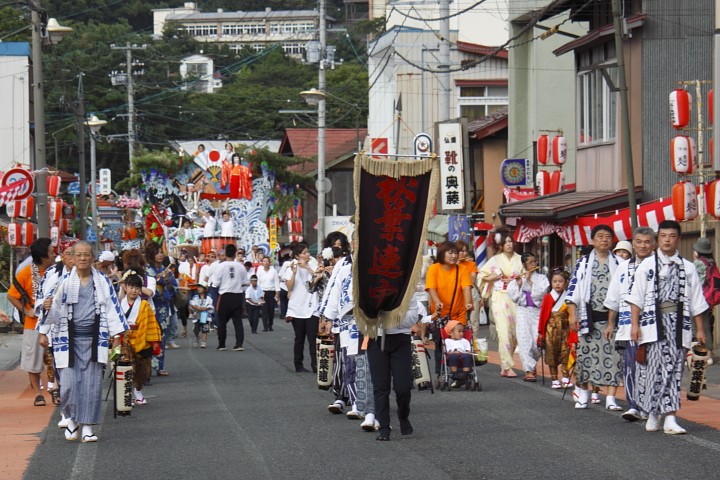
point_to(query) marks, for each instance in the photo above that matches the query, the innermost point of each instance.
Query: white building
(15, 98)
(292, 29)
(198, 72)
(396, 69)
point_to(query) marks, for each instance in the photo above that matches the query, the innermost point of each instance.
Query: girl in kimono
(528, 291)
(499, 271)
(554, 328)
(144, 332)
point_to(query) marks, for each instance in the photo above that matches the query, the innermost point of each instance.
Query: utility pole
(625, 113)
(130, 93)
(444, 58)
(43, 220)
(80, 112)
(321, 128)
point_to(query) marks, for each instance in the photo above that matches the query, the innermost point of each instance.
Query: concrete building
(15, 82)
(291, 29)
(198, 73)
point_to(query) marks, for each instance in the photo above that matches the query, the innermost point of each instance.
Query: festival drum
(420, 367)
(215, 243)
(325, 362)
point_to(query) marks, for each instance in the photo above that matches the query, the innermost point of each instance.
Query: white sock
(72, 425)
(138, 394)
(87, 431)
(671, 421)
(610, 400)
(584, 395)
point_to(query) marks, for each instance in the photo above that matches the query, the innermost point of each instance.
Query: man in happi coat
(84, 321)
(665, 299)
(598, 363)
(622, 282)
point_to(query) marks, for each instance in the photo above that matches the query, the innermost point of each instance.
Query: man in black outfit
(393, 360)
(230, 276)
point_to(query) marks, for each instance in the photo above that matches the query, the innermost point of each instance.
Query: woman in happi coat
(528, 291)
(85, 320)
(499, 271)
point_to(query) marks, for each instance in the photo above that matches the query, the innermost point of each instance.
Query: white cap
(623, 245)
(107, 256)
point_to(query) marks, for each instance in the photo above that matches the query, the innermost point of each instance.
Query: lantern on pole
(543, 149)
(557, 181)
(681, 154)
(712, 198)
(559, 150)
(542, 182)
(680, 108)
(53, 185)
(13, 235)
(684, 201)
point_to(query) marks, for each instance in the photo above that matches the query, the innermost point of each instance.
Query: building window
(201, 30)
(293, 48)
(475, 102)
(597, 104)
(258, 47)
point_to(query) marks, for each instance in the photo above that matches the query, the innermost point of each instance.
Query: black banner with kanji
(393, 202)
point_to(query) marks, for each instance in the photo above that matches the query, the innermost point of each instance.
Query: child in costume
(201, 310)
(459, 352)
(144, 332)
(554, 328)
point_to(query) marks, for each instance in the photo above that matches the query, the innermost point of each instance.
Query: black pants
(395, 362)
(253, 312)
(230, 306)
(283, 303)
(305, 328)
(268, 310)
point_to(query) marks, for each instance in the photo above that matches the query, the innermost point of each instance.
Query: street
(249, 415)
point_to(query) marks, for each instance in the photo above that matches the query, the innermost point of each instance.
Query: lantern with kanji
(680, 108)
(684, 201)
(712, 198)
(13, 235)
(56, 209)
(27, 233)
(54, 236)
(543, 149)
(559, 150)
(557, 181)
(681, 154)
(53, 185)
(542, 182)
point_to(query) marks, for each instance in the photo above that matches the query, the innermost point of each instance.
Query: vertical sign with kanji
(273, 232)
(450, 151)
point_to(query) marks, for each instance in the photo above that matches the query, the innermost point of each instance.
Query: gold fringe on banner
(394, 169)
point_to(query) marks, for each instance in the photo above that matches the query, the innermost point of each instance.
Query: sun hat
(623, 245)
(106, 256)
(703, 246)
(450, 325)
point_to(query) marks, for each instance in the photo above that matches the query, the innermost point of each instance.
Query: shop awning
(437, 228)
(564, 206)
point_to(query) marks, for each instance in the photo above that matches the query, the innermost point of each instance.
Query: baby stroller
(447, 380)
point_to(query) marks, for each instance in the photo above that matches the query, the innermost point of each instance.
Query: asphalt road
(249, 415)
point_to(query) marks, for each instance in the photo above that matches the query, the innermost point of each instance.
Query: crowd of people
(626, 321)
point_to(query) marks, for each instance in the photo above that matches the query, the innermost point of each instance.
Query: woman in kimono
(528, 291)
(499, 271)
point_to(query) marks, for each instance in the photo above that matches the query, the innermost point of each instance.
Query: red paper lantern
(54, 236)
(13, 235)
(542, 183)
(684, 201)
(680, 108)
(557, 181)
(13, 208)
(559, 150)
(543, 149)
(53, 185)
(681, 154)
(712, 198)
(27, 233)
(64, 225)
(56, 209)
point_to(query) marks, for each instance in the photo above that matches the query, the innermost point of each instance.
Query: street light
(95, 125)
(317, 98)
(52, 32)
